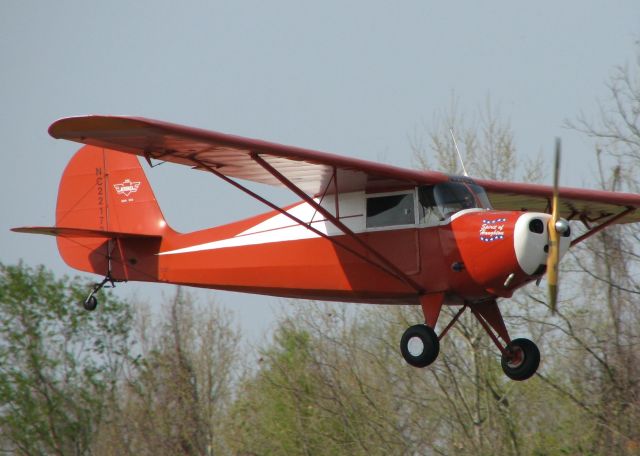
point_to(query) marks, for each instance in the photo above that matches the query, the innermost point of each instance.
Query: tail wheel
(90, 303)
(419, 345)
(521, 359)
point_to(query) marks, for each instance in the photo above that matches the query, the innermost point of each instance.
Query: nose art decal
(492, 230)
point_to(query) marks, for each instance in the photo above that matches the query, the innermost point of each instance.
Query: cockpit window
(390, 210)
(440, 201)
(481, 196)
(453, 197)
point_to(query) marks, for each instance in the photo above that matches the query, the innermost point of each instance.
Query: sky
(357, 78)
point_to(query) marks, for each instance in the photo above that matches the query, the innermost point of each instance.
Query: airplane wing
(317, 172)
(309, 170)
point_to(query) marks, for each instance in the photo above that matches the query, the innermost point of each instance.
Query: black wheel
(419, 345)
(523, 359)
(90, 303)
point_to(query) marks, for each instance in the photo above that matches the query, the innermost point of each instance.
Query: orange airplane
(362, 232)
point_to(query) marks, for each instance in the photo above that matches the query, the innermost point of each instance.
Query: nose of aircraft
(531, 241)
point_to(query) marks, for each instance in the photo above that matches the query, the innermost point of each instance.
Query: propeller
(553, 258)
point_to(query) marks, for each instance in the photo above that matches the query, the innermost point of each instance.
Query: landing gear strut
(91, 302)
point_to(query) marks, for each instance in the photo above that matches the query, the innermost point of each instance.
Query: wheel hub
(516, 358)
(415, 346)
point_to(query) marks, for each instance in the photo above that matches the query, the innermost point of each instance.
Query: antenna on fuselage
(455, 143)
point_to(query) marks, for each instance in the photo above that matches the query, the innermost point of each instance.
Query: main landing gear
(420, 345)
(91, 302)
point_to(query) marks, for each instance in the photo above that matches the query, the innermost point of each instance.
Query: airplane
(362, 231)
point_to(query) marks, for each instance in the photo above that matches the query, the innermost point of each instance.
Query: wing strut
(336, 222)
(391, 271)
(602, 226)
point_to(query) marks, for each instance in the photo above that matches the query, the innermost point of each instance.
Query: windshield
(481, 196)
(443, 200)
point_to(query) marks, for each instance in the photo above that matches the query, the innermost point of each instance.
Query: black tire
(523, 362)
(419, 345)
(90, 303)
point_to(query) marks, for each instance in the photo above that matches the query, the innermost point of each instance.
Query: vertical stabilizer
(103, 190)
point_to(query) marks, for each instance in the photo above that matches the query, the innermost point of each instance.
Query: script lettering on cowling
(492, 230)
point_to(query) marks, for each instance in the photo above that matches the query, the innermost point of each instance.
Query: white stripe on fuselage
(291, 233)
(278, 228)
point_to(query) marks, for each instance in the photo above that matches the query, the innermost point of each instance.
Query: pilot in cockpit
(441, 201)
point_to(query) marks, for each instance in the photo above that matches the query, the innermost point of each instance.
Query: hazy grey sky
(349, 77)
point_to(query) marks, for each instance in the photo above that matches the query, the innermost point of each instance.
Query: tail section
(107, 218)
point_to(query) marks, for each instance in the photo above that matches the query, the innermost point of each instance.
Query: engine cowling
(498, 251)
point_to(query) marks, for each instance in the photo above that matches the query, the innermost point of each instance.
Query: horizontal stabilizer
(81, 232)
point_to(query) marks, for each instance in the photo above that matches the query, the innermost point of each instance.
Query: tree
(324, 386)
(606, 368)
(58, 363)
(174, 399)
(332, 382)
(486, 143)
(617, 130)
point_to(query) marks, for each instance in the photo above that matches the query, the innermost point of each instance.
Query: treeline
(121, 381)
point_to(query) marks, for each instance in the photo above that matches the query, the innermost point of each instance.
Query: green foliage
(319, 390)
(58, 363)
(276, 411)
(174, 400)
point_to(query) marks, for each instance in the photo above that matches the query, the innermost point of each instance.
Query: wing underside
(588, 206)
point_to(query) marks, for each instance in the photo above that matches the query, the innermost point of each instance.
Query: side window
(390, 210)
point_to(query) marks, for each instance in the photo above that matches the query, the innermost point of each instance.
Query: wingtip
(54, 127)
(63, 125)
(76, 126)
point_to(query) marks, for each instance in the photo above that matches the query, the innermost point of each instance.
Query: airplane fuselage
(471, 255)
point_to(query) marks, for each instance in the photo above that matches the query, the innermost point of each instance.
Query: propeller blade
(553, 258)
